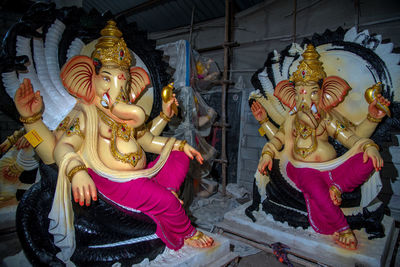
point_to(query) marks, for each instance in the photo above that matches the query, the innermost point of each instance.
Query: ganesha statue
(302, 145)
(99, 147)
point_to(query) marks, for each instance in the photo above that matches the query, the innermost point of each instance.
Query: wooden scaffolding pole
(225, 86)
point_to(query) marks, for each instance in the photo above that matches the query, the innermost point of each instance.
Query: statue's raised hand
(167, 107)
(28, 103)
(83, 188)
(374, 108)
(258, 111)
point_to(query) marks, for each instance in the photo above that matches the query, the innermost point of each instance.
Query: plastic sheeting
(196, 117)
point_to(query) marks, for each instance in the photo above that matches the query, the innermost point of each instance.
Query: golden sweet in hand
(372, 93)
(166, 95)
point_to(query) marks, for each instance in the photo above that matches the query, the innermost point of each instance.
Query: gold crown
(310, 68)
(111, 49)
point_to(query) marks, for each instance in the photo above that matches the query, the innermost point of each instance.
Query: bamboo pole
(225, 87)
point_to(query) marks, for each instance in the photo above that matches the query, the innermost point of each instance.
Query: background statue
(18, 168)
(320, 117)
(304, 135)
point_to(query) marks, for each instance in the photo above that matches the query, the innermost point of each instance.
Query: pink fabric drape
(153, 198)
(323, 215)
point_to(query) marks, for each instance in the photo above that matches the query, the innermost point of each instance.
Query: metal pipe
(294, 20)
(191, 27)
(357, 14)
(266, 248)
(285, 38)
(138, 8)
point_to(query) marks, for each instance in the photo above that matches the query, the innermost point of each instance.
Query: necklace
(304, 132)
(125, 132)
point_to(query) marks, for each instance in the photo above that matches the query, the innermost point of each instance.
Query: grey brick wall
(250, 146)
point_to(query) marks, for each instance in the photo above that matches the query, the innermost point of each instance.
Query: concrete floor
(9, 245)
(208, 211)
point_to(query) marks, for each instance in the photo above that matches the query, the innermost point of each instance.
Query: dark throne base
(99, 224)
(283, 202)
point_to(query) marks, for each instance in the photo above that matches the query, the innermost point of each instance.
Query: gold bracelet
(264, 120)
(336, 191)
(372, 119)
(164, 117)
(370, 144)
(74, 170)
(32, 119)
(269, 153)
(182, 145)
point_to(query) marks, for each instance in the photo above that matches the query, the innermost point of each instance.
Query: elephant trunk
(132, 114)
(307, 118)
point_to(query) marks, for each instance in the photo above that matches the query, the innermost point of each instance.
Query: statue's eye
(106, 79)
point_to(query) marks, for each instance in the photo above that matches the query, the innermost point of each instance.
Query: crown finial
(111, 49)
(310, 68)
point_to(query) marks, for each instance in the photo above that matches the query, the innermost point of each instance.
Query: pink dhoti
(153, 197)
(323, 215)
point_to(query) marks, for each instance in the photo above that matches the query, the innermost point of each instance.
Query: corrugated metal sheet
(160, 15)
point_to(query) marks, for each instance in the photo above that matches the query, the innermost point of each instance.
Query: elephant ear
(286, 93)
(77, 78)
(139, 80)
(334, 89)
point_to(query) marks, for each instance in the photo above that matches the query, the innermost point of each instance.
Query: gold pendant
(304, 132)
(125, 132)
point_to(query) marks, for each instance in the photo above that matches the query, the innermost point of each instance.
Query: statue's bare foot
(335, 195)
(199, 240)
(346, 239)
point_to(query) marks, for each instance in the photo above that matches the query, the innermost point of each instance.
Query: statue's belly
(324, 152)
(106, 155)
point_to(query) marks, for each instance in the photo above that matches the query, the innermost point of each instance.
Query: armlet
(141, 131)
(75, 129)
(63, 124)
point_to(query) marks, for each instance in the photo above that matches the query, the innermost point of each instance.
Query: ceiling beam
(141, 7)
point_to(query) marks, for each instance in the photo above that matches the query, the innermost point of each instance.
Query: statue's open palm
(28, 103)
(258, 111)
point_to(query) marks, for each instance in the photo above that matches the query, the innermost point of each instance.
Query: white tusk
(293, 111)
(105, 101)
(314, 109)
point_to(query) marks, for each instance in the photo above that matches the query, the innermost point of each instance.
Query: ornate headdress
(111, 49)
(310, 68)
